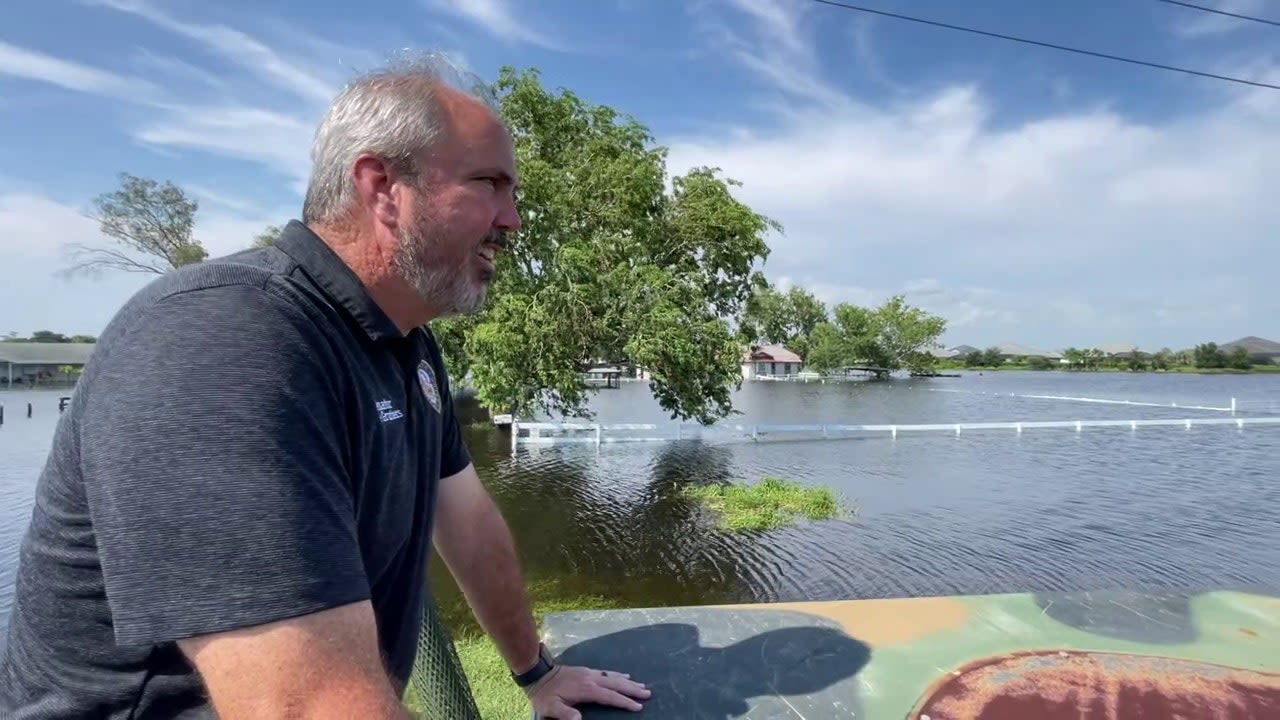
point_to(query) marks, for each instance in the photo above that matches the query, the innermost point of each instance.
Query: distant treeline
(1207, 356)
(48, 336)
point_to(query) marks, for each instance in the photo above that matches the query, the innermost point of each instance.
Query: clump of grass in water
(769, 504)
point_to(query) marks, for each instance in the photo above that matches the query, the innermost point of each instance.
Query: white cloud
(1073, 221)
(236, 47)
(278, 142)
(1197, 23)
(776, 48)
(39, 230)
(34, 65)
(34, 226)
(497, 18)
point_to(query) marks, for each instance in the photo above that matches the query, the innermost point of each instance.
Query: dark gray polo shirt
(252, 440)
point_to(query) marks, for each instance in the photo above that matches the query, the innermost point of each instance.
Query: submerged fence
(547, 433)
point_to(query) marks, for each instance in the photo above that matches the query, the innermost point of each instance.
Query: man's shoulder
(263, 279)
(245, 300)
(266, 270)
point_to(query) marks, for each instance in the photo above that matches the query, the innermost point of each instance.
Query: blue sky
(1026, 194)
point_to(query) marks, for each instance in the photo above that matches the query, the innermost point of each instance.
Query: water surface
(982, 512)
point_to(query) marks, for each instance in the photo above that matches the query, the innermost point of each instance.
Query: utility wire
(1040, 43)
(1216, 11)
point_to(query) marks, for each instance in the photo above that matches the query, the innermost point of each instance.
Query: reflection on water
(1044, 511)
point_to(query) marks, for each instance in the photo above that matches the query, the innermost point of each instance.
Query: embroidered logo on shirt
(387, 412)
(427, 381)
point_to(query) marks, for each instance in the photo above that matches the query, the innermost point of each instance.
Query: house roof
(31, 353)
(1116, 349)
(1254, 346)
(1017, 350)
(773, 353)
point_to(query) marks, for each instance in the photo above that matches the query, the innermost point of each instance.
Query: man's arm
(475, 543)
(318, 666)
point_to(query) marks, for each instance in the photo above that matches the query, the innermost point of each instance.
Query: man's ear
(374, 182)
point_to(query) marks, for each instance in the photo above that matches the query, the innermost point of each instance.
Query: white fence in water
(546, 433)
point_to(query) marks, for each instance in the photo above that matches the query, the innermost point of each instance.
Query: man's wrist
(540, 668)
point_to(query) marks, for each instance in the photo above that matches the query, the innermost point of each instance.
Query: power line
(1041, 43)
(1216, 11)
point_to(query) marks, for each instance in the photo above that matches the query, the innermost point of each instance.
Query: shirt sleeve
(214, 452)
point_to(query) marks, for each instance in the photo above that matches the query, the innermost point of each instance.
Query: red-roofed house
(769, 361)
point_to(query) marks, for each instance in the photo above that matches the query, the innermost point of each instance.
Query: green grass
(769, 504)
(497, 697)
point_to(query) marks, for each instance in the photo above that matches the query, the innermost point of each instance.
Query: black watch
(539, 670)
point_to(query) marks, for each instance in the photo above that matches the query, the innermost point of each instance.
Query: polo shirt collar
(336, 279)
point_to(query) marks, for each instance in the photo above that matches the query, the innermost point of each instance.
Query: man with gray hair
(238, 508)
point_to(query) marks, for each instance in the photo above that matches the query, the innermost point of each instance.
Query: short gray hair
(393, 113)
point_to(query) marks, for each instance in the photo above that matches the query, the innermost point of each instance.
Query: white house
(769, 361)
(28, 363)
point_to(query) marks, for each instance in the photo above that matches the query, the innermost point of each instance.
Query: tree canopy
(268, 237)
(609, 266)
(151, 225)
(894, 336)
(47, 336)
(779, 318)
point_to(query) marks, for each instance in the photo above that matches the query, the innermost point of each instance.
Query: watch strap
(538, 671)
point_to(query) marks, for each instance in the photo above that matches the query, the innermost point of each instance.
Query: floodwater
(1050, 509)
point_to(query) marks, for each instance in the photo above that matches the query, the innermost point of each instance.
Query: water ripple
(937, 514)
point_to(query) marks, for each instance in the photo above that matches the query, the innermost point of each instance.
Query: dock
(1045, 655)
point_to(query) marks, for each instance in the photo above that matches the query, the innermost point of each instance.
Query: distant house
(1118, 351)
(959, 351)
(29, 363)
(769, 361)
(1261, 350)
(1009, 351)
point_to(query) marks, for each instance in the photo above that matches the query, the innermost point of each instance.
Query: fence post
(1233, 406)
(515, 434)
(598, 434)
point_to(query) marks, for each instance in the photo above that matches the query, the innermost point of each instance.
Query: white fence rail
(1232, 407)
(546, 433)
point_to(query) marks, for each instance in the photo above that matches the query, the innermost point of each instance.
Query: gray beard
(449, 290)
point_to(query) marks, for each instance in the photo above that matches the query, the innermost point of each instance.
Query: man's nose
(508, 220)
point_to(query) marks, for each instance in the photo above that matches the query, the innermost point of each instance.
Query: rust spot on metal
(1053, 684)
(883, 622)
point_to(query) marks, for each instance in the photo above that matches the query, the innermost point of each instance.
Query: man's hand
(315, 667)
(567, 685)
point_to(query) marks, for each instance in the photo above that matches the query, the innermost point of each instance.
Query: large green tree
(268, 237)
(609, 265)
(150, 224)
(782, 318)
(894, 336)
